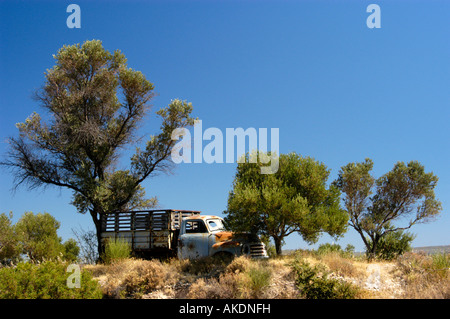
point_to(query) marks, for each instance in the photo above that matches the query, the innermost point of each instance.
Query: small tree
(394, 244)
(404, 192)
(38, 238)
(294, 199)
(70, 250)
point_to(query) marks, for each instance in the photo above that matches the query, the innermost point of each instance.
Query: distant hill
(432, 249)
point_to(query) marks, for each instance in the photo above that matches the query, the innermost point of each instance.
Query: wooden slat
(155, 224)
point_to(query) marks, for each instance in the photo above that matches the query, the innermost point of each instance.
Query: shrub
(70, 250)
(313, 283)
(46, 280)
(328, 248)
(441, 263)
(335, 249)
(134, 278)
(349, 250)
(239, 265)
(259, 279)
(201, 289)
(145, 277)
(339, 264)
(242, 278)
(116, 249)
(227, 286)
(393, 244)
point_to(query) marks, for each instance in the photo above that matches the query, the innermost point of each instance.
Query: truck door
(193, 241)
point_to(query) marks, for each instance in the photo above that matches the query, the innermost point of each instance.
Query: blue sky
(337, 90)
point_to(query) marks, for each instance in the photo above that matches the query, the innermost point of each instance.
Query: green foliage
(116, 249)
(34, 235)
(313, 283)
(70, 250)
(47, 280)
(10, 248)
(441, 260)
(441, 263)
(329, 248)
(294, 199)
(374, 205)
(349, 250)
(393, 244)
(38, 235)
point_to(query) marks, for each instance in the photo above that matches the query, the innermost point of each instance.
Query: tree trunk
(372, 250)
(277, 241)
(98, 229)
(370, 246)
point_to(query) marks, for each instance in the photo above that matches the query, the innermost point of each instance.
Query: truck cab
(205, 235)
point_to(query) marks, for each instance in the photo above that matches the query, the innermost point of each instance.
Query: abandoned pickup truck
(182, 233)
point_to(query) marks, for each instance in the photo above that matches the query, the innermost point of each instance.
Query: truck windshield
(215, 224)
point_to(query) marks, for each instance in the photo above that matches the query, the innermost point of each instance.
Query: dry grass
(411, 276)
(424, 276)
(341, 266)
(134, 277)
(242, 278)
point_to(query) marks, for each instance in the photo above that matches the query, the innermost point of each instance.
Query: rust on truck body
(206, 236)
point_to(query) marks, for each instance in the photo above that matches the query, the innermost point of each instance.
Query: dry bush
(340, 265)
(239, 265)
(147, 276)
(245, 278)
(133, 278)
(242, 278)
(201, 289)
(228, 286)
(412, 276)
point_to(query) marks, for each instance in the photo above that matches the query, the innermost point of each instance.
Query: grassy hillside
(302, 274)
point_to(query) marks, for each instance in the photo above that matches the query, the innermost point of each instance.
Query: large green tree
(390, 204)
(294, 199)
(94, 105)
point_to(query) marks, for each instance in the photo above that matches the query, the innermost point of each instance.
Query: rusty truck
(183, 233)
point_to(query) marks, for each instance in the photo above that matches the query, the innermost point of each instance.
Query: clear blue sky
(337, 90)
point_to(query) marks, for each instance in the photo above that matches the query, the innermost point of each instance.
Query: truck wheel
(223, 256)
